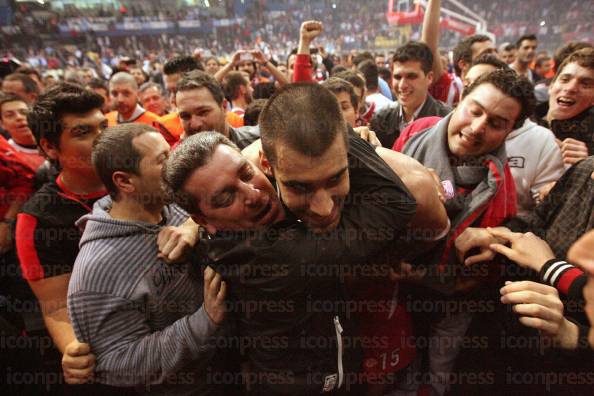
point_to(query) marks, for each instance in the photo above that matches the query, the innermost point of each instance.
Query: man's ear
(225, 105)
(201, 220)
(241, 91)
(123, 182)
(265, 164)
(49, 149)
(430, 77)
(462, 65)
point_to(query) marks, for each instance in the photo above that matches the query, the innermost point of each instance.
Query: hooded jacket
(535, 160)
(142, 317)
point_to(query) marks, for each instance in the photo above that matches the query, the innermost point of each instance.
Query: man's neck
(129, 209)
(521, 67)
(81, 184)
(370, 92)
(240, 103)
(409, 112)
(225, 130)
(126, 117)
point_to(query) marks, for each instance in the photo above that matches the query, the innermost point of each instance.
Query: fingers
(486, 255)
(505, 234)
(504, 250)
(172, 243)
(539, 324)
(222, 293)
(511, 287)
(532, 297)
(373, 140)
(85, 374)
(76, 348)
(78, 362)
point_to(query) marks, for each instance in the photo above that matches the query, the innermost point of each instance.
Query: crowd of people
(398, 222)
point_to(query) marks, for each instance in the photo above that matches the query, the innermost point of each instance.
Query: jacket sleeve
(538, 219)
(302, 70)
(564, 277)
(128, 352)
(550, 166)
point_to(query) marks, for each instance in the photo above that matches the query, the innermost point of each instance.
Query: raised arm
(430, 35)
(261, 59)
(302, 71)
(223, 71)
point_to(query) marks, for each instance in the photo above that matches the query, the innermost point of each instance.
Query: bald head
(123, 91)
(121, 78)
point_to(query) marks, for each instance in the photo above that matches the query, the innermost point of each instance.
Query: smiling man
(202, 106)
(467, 151)
(412, 69)
(570, 115)
(342, 201)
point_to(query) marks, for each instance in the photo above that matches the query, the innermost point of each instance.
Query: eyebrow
(490, 115)
(291, 183)
(242, 164)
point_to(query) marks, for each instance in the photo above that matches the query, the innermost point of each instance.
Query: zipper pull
(337, 324)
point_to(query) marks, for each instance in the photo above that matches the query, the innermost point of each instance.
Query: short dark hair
(97, 83)
(363, 56)
(568, 49)
(232, 82)
(490, 59)
(525, 37)
(507, 47)
(384, 73)
(541, 60)
(113, 151)
(352, 77)
(338, 85)
(463, 51)
(512, 85)
(583, 57)
(197, 79)
(182, 64)
(10, 98)
(305, 117)
(415, 51)
(45, 118)
(252, 112)
(29, 71)
(28, 83)
(369, 70)
(191, 154)
(337, 69)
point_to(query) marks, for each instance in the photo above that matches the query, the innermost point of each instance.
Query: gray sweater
(142, 317)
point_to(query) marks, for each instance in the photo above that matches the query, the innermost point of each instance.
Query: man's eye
(475, 112)
(496, 124)
(224, 200)
(247, 175)
(297, 188)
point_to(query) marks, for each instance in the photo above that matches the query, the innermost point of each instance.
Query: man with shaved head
(123, 91)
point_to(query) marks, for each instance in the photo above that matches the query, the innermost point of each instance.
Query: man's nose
(321, 203)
